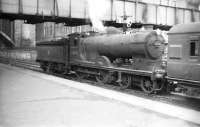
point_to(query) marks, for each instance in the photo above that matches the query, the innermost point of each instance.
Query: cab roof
(185, 28)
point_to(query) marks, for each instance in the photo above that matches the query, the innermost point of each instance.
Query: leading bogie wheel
(147, 86)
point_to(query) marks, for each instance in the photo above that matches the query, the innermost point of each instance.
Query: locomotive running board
(191, 82)
(136, 72)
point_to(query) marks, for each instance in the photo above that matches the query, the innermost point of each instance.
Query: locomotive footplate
(125, 78)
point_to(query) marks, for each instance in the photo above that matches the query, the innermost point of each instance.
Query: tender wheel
(126, 82)
(43, 66)
(49, 68)
(81, 75)
(147, 86)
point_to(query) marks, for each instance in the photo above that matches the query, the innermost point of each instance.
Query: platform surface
(29, 99)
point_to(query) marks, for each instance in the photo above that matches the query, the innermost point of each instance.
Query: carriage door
(194, 58)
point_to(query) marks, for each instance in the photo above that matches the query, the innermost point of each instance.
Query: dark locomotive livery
(125, 59)
(129, 60)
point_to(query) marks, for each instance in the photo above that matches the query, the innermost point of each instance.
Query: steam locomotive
(135, 59)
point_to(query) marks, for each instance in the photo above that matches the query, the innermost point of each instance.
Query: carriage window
(194, 48)
(175, 51)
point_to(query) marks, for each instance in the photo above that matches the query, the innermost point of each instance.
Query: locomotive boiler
(142, 44)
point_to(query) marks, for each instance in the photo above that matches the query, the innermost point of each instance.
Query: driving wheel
(103, 77)
(125, 82)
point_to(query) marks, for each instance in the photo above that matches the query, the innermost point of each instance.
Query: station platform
(33, 99)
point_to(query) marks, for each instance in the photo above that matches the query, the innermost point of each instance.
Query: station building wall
(7, 27)
(49, 30)
(24, 34)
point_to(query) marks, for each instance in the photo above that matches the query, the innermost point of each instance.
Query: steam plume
(97, 9)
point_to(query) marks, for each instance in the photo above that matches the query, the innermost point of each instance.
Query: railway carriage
(183, 64)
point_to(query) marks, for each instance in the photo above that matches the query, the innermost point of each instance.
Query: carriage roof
(185, 28)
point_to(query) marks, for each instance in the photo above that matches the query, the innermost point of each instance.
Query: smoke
(97, 8)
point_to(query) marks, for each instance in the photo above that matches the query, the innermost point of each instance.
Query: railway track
(22, 63)
(183, 101)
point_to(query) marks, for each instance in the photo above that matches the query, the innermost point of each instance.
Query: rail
(21, 63)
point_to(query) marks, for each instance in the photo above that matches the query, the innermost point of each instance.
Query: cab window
(194, 48)
(75, 42)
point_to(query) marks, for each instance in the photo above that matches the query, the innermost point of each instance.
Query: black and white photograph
(99, 63)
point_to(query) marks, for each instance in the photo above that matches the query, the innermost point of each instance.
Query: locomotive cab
(183, 65)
